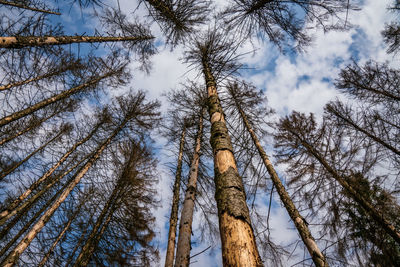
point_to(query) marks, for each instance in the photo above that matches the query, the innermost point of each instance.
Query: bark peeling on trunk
(237, 237)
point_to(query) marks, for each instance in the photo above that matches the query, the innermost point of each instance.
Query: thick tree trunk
(237, 237)
(7, 212)
(367, 206)
(173, 220)
(22, 113)
(308, 240)
(13, 257)
(29, 41)
(18, 5)
(89, 247)
(15, 166)
(185, 225)
(60, 235)
(40, 77)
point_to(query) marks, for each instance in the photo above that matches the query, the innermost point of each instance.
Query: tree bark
(185, 225)
(375, 214)
(37, 78)
(237, 237)
(308, 240)
(22, 113)
(18, 5)
(166, 10)
(173, 220)
(15, 166)
(13, 257)
(9, 211)
(30, 41)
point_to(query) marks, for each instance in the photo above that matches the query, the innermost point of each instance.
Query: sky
(301, 82)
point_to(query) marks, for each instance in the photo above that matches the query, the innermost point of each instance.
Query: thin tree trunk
(7, 212)
(360, 129)
(61, 235)
(37, 78)
(18, 5)
(166, 10)
(22, 113)
(308, 240)
(185, 225)
(15, 166)
(24, 208)
(78, 244)
(237, 237)
(173, 220)
(13, 257)
(29, 41)
(375, 214)
(88, 248)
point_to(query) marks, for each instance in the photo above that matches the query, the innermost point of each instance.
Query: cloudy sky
(301, 82)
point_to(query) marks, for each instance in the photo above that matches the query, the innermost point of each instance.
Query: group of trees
(77, 167)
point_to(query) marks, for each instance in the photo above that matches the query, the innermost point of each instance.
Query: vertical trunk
(12, 258)
(15, 166)
(375, 214)
(166, 10)
(40, 77)
(18, 5)
(88, 248)
(6, 213)
(62, 233)
(22, 209)
(237, 237)
(22, 113)
(29, 41)
(173, 220)
(185, 225)
(308, 240)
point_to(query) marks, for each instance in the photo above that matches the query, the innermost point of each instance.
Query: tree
(28, 6)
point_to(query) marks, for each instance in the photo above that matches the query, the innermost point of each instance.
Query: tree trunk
(78, 244)
(237, 237)
(173, 220)
(6, 213)
(185, 225)
(375, 214)
(18, 5)
(308, 240)
(13, 257)
(40, 77)
(62, 233)
(22, 113)
(166, 10)
(30, 41)
(258, 5)
(15, 166)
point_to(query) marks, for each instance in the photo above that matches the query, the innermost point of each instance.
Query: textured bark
(185, 226)
(367, 206)
(40, 77)
(9, 211)
(237, 237)
(90, 245)
(18, 5)
(13, 257)
(60, 235)
(22, 113)
(173, 220)
(15, 166)
(29, 41)
(308, 240)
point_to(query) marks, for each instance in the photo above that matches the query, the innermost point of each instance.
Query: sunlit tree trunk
(20, 5)
(301, 226)
(374, 213)
(15, 166)
(237, 237)
(13, 257)
(22, 113)
(173, 220)
(186, 219)
(29, 41)
(10, 210)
